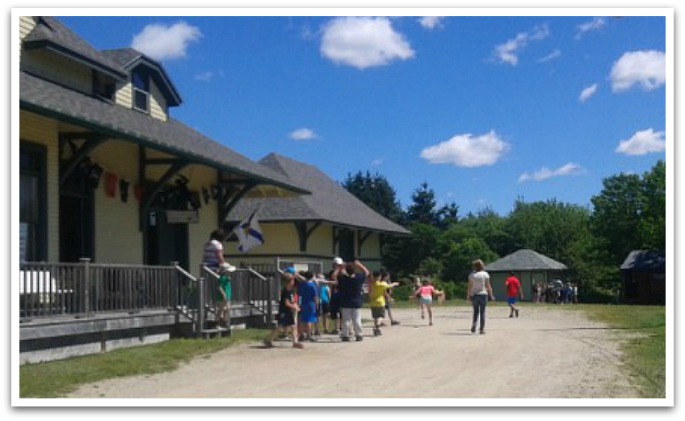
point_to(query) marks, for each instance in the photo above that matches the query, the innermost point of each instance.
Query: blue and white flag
(249, 233)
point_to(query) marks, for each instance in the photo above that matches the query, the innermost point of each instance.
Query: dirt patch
(545, 353)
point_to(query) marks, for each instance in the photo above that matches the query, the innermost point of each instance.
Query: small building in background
(529, 266)
(643, 275)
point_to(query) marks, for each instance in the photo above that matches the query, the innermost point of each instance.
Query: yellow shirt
(377, 294)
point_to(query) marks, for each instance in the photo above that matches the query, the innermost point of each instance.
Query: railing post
(269, 308)
(85, 261)
(175, 293)
(200, 305)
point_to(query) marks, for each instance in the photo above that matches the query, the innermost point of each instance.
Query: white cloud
(545, 173)
(644, 68)
(587, 93)
(431, 22)
(551, 56)
(642, 143)
(377, 162)
(303, 134)
(465, 150)
(363, 42)
(594, 25)
(508, 52)
(162, 42)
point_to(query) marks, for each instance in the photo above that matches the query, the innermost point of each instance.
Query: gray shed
(529, 266)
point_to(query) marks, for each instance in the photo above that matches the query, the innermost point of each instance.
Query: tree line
(629, 213)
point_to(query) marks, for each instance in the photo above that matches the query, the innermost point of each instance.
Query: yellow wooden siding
(26, 25)
(123, 96)
(117, 237)
(58, 69)
(43, 131)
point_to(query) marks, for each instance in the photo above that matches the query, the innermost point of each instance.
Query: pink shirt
(426, 291)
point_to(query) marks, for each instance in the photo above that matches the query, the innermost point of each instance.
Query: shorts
(324, 308)
(426, 300)
(308, 317)
(286, 319)
(511, 301)
(378, 312)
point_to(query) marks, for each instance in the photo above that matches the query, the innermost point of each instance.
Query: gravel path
(545, 353)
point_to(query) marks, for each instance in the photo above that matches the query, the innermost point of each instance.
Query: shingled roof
(525, 260)
(171, 136)
(645, 261)
(329, 201)
(50, 33)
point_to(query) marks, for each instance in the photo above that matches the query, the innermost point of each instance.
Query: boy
(377, 292)
(287, 313)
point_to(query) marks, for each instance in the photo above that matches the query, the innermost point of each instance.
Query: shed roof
(171, 136)
(645, 261)
(525, 260)
(329, 201)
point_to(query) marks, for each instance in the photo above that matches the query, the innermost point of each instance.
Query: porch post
(85, 261)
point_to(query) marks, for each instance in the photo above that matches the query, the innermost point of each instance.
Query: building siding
(26, 25)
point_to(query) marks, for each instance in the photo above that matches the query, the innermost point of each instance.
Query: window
(141, 90)
(32, 209)
(103, 87)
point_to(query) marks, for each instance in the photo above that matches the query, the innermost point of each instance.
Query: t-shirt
(377, 294)
(324, 294)
(225, 285)
(307, 293)
(287, 296)
(478, 282)
(426, 291)
(351, 288)
(212, 253)
(513, 287)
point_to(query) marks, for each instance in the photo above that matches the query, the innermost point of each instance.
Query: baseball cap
(290, 270)
(337, 261)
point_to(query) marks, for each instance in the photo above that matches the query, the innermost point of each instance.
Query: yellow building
(106, 173)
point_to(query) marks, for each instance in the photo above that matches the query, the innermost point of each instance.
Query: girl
(425, 293)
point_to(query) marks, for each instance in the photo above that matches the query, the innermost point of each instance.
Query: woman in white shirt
(478, 291)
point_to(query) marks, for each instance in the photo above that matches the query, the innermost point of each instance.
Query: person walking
(478, 292)
(287, 312)
(377, 290)
(350, 283)
(514, 291)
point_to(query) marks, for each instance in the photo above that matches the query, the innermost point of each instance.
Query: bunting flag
(249, 233)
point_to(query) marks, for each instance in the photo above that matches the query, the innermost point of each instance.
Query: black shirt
(350, 287)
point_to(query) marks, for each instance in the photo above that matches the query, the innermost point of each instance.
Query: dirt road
(545, 353)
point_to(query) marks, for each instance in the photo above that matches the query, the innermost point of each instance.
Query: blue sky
(484, 109)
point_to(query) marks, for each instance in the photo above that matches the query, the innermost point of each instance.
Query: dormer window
(141, 91)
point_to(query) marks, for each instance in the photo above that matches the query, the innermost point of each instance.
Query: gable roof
(329, 201)
(525, 260)
(129, 58)
(50, 33)
(645, 261)
(45, 98)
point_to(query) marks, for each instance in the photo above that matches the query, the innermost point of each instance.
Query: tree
(375, 191)
(422, 210)
(630, 213)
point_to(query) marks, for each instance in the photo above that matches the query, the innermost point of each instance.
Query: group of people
(555, 292)
(308, 301)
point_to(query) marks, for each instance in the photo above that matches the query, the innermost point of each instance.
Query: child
(335, 309)
(287, 312)
(223, 298)
(308, 293)
(385, 277)
(377, 290)
(324, 306)
(425, 294)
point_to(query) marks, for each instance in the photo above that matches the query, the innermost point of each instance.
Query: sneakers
(298, 345)
(345, 339)
(376, 331)
(517, 312)
(268, 343)
(482, 332)
(395, 322)
(360, 338)
(473, 329)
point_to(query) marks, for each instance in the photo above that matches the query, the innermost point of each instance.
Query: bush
(597, 295)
